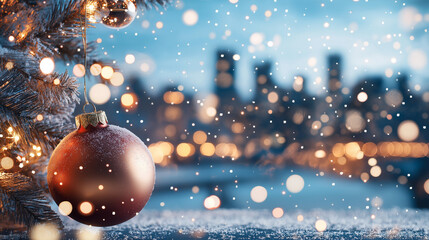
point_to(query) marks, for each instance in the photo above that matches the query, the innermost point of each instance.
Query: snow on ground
(260, 224)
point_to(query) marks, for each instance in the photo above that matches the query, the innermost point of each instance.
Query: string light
(47, 65)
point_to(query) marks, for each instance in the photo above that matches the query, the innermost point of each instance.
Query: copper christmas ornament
(100, 174)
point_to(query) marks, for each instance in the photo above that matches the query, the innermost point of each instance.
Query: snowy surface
(260, 224)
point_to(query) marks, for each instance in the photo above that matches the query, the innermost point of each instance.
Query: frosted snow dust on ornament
(100, 174)
(115, 13)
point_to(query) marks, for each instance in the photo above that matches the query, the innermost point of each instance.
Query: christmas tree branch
(25, 201)
(152, 3)
(21, 103)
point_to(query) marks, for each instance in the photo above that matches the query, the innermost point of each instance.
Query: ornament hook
(84, 41)
(89, 103)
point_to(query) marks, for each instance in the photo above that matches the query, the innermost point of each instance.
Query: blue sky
(185, 55)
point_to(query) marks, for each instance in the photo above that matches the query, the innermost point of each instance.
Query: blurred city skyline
(295, 37)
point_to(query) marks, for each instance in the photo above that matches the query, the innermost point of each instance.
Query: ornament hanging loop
(84, 41)
(87, 104)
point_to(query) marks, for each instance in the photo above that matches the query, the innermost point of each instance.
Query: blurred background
(281, 105)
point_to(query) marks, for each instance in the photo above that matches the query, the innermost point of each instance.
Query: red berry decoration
(100, 174)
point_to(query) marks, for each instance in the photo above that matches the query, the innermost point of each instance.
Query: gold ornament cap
(93, 119)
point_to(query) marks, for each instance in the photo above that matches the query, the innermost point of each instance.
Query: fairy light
(47, 65)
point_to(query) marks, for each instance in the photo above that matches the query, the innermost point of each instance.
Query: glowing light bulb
(47, 65)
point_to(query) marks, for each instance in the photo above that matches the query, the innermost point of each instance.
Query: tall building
(224, 79)
(264, 82)
(334, 74)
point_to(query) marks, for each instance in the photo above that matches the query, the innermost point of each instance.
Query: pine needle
(24, 201)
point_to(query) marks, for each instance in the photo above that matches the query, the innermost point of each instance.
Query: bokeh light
(47, 65)
(117, 79)
(86, 208)
(408, 131)
(44, 231)
(295, 183)
(107, 72)
(375, 171)
(173, 97)
(127, 99)
(258, 194)
(6, 163)
(95, 69)
(65, 208)
(207, 149)
(200, 137)
(362, 97)
(99, 93)
(89, 233)
(79, 70)
(130, 58)
(426, 186)
(321, 225)
(417, 59)
(185, 149)
(277, 212)
(212, 202)
(190, 17)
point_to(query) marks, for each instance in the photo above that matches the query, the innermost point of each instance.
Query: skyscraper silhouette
(224, 79)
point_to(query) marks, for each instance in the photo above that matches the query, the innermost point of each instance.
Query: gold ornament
(113, 13)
